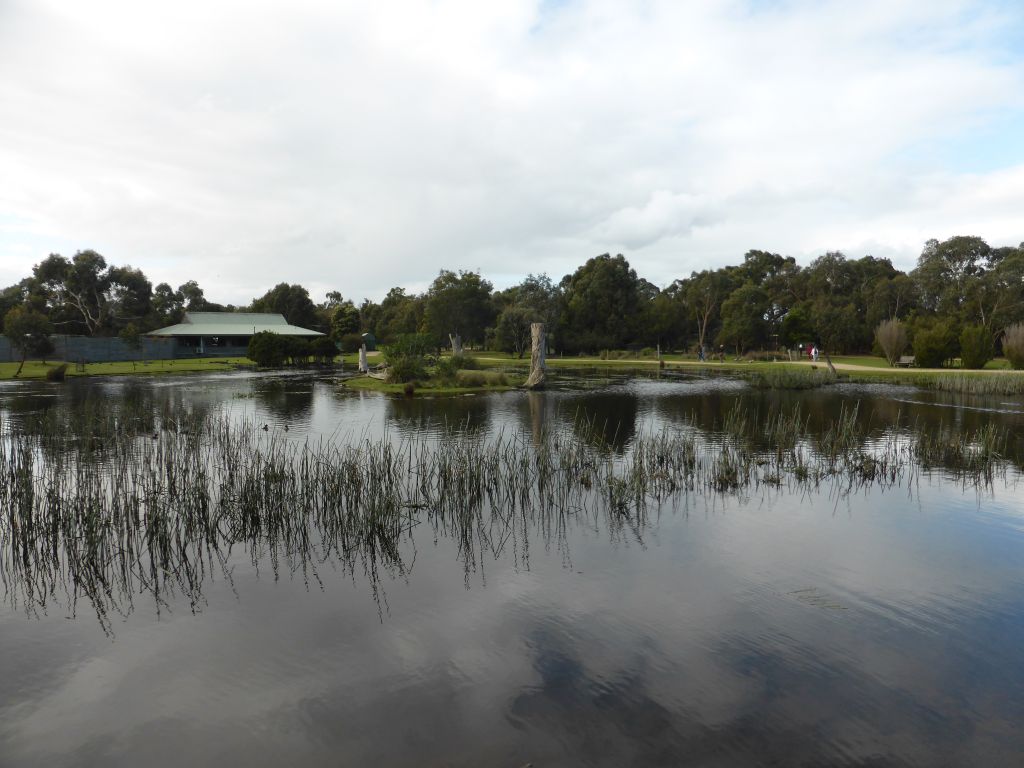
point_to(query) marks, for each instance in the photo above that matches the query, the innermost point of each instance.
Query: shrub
(933, 346)
(976, 347)
(472, 379)
(447, 368)
(407, 369)
(408, 357)
(464, 362)
(1013, 345)
(267, 349)
(323, 349)
(891, 336)
(297, 350)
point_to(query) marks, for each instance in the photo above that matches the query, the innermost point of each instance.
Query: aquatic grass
(790, 378)
(974, 383)
(986, 384)
(978, 453)
(110, 501)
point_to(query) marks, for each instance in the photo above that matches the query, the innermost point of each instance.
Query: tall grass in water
(791, 378)
(987, 384)
(982, 383)
(107, 502)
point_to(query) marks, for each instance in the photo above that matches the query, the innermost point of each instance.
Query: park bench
(905, 361)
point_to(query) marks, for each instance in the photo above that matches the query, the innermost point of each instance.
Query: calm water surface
(882, 627)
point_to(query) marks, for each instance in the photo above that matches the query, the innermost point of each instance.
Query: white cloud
(359, 146)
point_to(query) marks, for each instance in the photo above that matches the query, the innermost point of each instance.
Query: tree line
(764, 303)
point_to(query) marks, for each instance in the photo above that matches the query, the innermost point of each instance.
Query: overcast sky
(361, 145)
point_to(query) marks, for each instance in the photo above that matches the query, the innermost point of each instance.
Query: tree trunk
(828, 360)
(364, 366)
(456, 341)
(21, 365)
(538, 351)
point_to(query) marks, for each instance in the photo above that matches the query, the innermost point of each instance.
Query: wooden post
(456, 341)
(364, 367)
(538, 352)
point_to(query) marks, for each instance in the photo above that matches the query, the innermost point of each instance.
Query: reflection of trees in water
(414, 416)
(605, 418)
(150, 496)
(822, 413)
(284, 399)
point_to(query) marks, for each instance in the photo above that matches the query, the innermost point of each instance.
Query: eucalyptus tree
(29, 333)
(289, 300)
(945, 269)
(458, 304)
(744, 318)
(600, 305)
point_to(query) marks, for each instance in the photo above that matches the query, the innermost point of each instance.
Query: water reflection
(285, 401)
(779, 625)
(413, 416)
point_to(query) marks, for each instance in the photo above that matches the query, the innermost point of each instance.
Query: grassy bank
(467, 382)
(35, 369)
(995, 378)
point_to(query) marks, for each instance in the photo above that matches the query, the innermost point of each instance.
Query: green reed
(110, 500)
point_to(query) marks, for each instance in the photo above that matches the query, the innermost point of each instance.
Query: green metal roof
(232, 324)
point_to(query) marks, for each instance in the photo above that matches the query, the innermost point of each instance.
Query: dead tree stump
(364, 366)
(456, 341)
(538, 353)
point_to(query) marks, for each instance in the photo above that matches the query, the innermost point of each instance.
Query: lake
(849, 617)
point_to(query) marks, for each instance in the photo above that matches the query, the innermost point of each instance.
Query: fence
(74, 349)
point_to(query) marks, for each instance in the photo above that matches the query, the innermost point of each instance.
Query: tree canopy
(765, 300)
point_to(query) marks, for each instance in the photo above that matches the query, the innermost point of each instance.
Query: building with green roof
(225, 334)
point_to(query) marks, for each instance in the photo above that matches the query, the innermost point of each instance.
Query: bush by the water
(297, 350)
(934, 346)
(323, 349)
(408, 357)
(976, 347)
(1013, 345)
(792, 378)
(481, 379)
(447, 368)
(267, 349)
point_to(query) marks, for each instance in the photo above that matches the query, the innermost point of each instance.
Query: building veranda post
(225, 334)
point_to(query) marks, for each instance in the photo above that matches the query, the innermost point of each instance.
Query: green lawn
(35, 369)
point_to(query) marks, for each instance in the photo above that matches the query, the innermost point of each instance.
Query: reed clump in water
(791, 378)
(988, 384)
